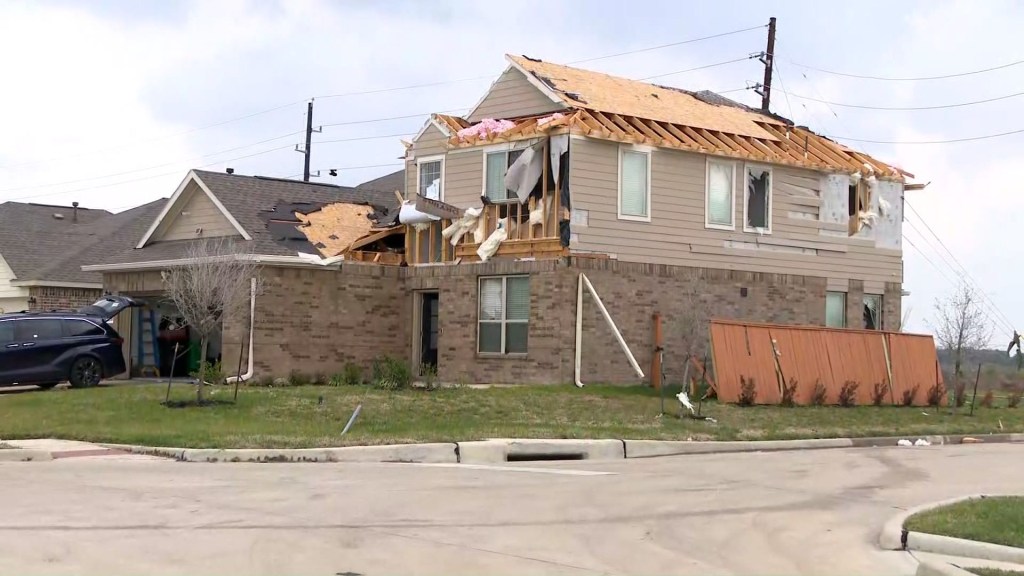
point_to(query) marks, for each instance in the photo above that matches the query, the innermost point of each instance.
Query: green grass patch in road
(293, 417)
(998, 520)
(994, 572)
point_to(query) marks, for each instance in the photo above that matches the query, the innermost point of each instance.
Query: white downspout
(252, 329)
(611, 324)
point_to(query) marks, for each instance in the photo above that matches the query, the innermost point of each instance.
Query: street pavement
(806, 512)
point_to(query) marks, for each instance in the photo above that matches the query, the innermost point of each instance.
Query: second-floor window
(497, 163)
(719, 205)
(634, 185)
(431, 177)
(757, 206)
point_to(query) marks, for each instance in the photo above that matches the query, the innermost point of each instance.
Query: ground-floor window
(504, 314)
(873, 312)
(835, 309)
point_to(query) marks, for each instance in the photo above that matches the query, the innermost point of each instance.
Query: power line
(911, 79)
(744, 59)
(952, 141)
(775, 68)
(134, 171)
(352, 122)
(659, 47)
(406, 135)
(907, 108)
(958, 263)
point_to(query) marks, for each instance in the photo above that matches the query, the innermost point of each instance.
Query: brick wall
(55, 298)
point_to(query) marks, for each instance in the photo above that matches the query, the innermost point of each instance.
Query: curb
(24, 455)
(506, 450)
(895, 537)
(929, 568)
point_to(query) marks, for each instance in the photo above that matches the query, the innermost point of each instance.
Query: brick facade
(316, 320)
(59, 298)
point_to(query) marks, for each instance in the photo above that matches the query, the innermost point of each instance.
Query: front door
(429, 326)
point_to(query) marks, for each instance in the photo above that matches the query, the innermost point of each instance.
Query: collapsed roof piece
(325, 228)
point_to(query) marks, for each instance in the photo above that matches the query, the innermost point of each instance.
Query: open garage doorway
(160, 344)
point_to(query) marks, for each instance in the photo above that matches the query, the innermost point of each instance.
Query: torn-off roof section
(610, 94)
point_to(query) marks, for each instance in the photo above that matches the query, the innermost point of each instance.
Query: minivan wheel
(85, 372)
(47, 385)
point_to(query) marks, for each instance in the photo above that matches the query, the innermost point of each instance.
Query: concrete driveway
(814, 513)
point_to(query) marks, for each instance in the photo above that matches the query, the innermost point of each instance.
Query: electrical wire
(744, 59)
(659, 47)
(910, 79)
(406, 135)
(958, 263)
(952, 141)
(776, 69)
(425, 114)
(905, 108)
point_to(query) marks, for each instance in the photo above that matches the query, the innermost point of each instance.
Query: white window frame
(428, 160)
(640, 150)
(707, 196)
(506, 148)
(504, 313)
(746, 198)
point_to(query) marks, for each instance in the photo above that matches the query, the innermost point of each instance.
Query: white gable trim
(432, 121)
(529, 78)
(554, 96)
(176, 197)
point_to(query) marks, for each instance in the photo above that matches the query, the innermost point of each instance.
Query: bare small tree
(214, 282)
(961, 324)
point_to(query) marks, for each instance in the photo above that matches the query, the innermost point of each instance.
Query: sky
(110, 102)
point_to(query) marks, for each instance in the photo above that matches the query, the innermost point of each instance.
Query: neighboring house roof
(32, 236)
(386, 183)
(607, 107)
(245, 198)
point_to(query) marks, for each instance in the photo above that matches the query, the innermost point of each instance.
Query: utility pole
(309, 119)
(769, 60)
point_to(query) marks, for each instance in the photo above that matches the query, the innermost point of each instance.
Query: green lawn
(997, 520)
(293, 417)
(994, 572)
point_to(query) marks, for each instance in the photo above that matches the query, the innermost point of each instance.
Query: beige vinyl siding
(430, 143)
(464, 175)
(677, 235)
(197, 211)
(512, 95)
(12, 298)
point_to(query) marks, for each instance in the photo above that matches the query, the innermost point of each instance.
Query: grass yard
(291, 417)
(994, 572)
(997, 520)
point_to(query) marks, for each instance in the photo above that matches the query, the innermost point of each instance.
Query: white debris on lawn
(904, 442)
(685, 401)
(922, 442)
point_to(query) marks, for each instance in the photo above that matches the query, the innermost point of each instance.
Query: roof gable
(578, 88)
(514, 94)
(182, 198)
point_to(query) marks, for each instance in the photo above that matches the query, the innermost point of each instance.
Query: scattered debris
(685, 401)
(549, 119)
(922, 442)
(969, 440)
(485, 128)
(490, 246)
(408, 214)
(460, 227)
(904, 442)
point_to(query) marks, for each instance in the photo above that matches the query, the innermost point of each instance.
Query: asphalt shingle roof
(245, 197)
(31, 237)
(386, 183)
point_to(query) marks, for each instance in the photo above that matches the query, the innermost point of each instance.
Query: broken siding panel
(198, 212)
(431, 142)
(677, 236)
(512, 95)
(463, 175)
(889, 225)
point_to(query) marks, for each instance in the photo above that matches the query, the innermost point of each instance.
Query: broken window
(835, 309)
(758, 202)
(719, 203)
(859, 202)
(430, 175)
(873, 311)
(504, 315)
(634, 185)
(497, 165)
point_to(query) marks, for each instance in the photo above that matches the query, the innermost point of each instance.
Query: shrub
(878, 394)
(352, 375)
(320, 379)
(987, 399)
(909, 396)
(935, 394)
(262, 381)
(429, 375)
(789, 393)
(848, 394)
(748, 392)
(212, 374)
(390, 373)
(297, 378)
(1014, 398)
(820, 396)
(960, 394)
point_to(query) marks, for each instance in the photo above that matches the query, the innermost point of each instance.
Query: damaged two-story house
(648, 191)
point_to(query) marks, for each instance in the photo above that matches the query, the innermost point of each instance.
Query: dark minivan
(46, 348)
